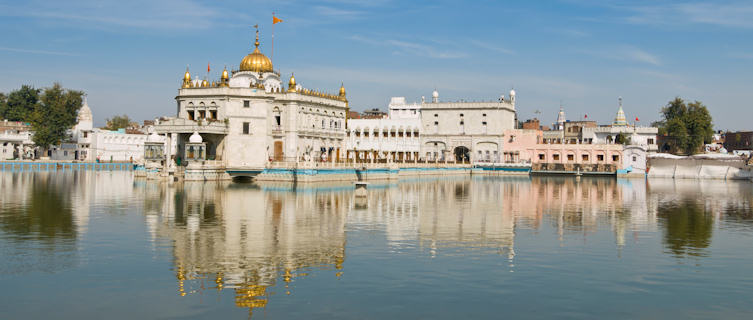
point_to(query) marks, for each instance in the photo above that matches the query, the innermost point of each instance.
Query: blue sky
(129, 56)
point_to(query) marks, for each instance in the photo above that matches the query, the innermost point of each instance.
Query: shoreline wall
(698, 168)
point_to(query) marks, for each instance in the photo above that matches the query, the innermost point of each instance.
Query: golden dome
(187, 79)
(291, 84)
(205, 83)
(256, 61)
(224, 74)
(342, 90)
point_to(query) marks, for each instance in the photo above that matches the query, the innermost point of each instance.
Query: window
(461, 115)
(213, 114)
(584, 157)
(615, 158)
(462, 123)
(365, 133)
(600, 158)
(86, 134)
(570, 157)
(650, 141)
(483, 115)
(190, 115)
(635, 158)
(246, 128)
(202, 114)
(246, 103)
(542, 156)
(483, 123)
(436, 115)
(556, 157)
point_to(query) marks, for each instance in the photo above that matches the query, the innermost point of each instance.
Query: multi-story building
(393, 138)
(465, 131)
(248, 119)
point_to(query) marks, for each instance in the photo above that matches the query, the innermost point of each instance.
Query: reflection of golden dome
(256, 61)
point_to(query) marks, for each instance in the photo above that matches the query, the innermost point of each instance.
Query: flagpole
(273, 38)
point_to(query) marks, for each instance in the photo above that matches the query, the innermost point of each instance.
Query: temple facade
(248, 119)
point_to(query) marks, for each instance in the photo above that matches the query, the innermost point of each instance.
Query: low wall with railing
(20, 166)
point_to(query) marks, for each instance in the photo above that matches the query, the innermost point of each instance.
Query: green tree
(3, 105)
(622, 138)
(55, 115)
(687, 125)
(20, 104)
(118, 122)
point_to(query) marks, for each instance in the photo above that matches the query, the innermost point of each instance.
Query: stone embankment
(702, 166)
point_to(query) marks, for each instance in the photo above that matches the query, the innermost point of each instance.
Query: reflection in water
(248, 240)
(243, 239)
(38, 218)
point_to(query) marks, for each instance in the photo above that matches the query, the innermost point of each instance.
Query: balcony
(180, 125)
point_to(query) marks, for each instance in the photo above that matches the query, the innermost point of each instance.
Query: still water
(80, 245)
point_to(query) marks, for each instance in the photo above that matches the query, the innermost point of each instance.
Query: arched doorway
(462, 154)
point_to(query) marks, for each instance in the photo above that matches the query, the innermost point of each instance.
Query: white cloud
(142, 14)
(624, 53)
(402, 47)
(491, 47)
(33, 51)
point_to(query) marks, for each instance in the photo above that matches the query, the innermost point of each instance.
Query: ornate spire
(291, 83)
(187, 79)
(342, 90)
(257, 36)
(619, 119)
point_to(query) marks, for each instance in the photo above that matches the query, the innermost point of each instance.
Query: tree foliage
(687, 125)
(55, 114)
(20, 104)
(118, 122)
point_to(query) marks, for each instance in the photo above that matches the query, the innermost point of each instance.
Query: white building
(395, 138)
(465, 131)
(94, 144)
(639, 136)
(248, 120)
(15, 141)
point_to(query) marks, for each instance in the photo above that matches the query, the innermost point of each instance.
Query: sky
(129, 56)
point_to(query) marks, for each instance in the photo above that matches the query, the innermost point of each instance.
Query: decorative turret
(619, 119)
(561, 119)
(186, 79)
(225, 79)
(435, 96)
(342, 90)
(291, 83)
(512, 97)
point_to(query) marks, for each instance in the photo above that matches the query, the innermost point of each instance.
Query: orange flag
(276, 20)
(208, 67)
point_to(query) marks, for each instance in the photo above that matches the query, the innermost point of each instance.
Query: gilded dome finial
(257, 36)
(291, 83)
(342, 89)
(186, 79)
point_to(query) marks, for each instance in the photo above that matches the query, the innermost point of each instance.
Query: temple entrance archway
(462, 154)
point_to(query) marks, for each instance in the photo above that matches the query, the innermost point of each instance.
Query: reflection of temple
(243, 238)
(486, 212)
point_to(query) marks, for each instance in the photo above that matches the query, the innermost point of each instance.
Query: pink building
(527, 146)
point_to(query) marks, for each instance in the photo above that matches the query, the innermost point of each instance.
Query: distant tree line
(51, 111)
(685, 126)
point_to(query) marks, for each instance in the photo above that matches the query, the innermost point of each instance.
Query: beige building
(465, 131)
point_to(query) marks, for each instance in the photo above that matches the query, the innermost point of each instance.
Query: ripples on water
(86, 244)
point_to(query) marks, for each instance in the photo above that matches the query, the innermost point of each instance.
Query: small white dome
(512, 92)
(195, 138)
(435, 94)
